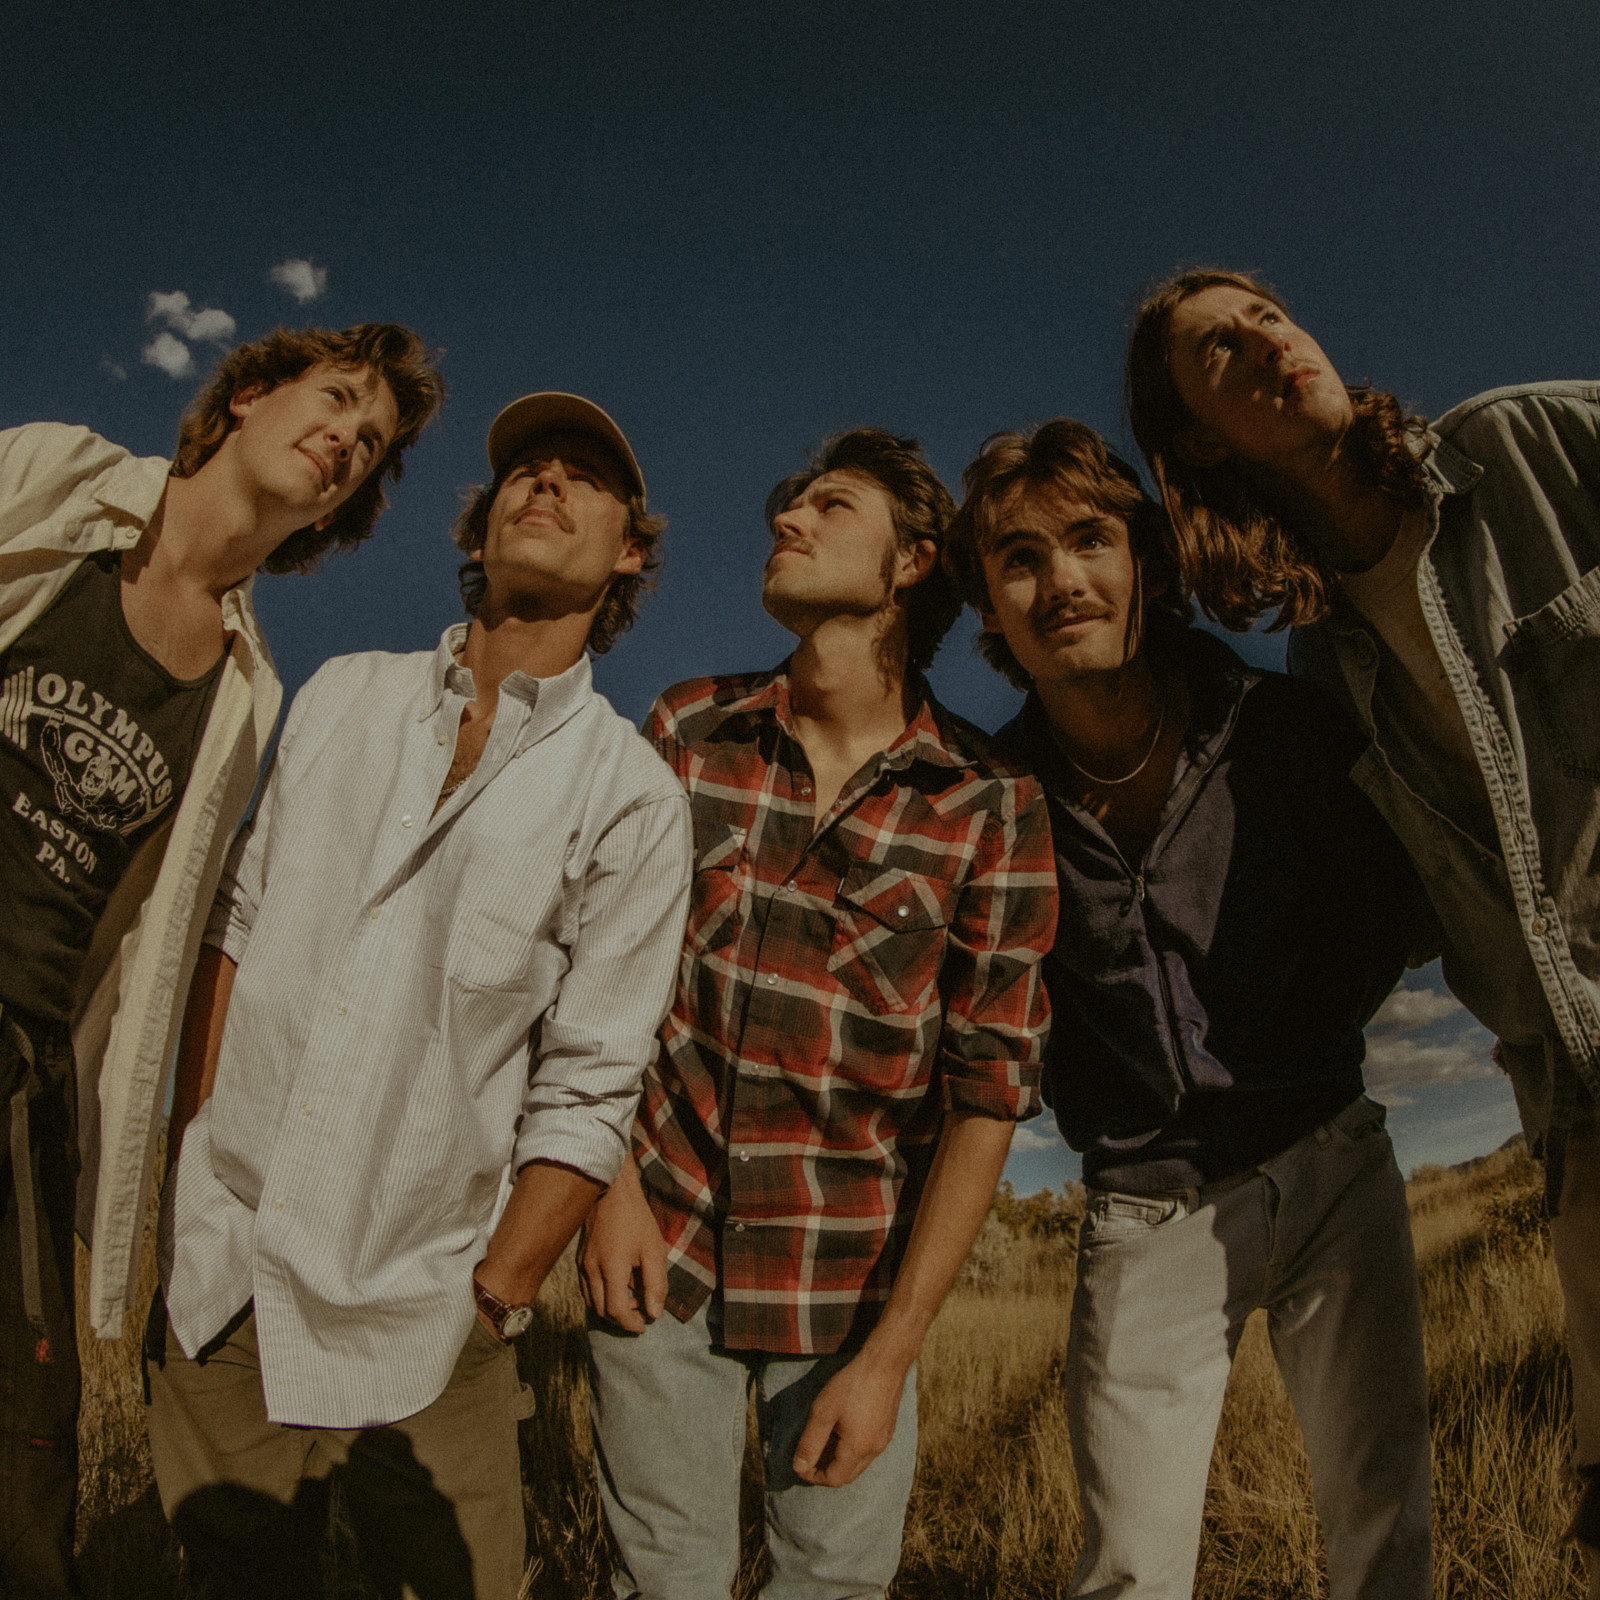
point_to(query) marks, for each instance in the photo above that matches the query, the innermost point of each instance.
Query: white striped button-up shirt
(423, 1005)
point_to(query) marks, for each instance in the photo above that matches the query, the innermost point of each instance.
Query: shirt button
(738, 1227)
(372, 915)
(744, 1155)
(277, 1205)
(405, 822)
(904, 911)
(1538, 927)
(805, 794)
(306, 1110)
(790, 885)
(339, 1009)
(772, 977)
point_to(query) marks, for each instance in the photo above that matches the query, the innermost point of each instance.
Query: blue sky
(741, 228)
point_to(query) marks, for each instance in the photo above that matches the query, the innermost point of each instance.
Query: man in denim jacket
(1446, 580)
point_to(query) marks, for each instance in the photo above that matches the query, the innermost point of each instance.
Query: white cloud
(1416, 1008)
(302, 280)
(1029, 1137)
(1423, 1039)
(1397, 1061)
(174, 309)
(114, 368)
(170, 354)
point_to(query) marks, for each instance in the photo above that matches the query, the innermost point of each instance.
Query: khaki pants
(435, 1500)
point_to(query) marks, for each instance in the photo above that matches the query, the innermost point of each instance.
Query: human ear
(914, 564)
(242, 402)
(1199, 447)
(629, 564)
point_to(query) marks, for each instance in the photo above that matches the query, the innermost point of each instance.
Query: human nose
(340, 437)
(550, 479)
(1268, 345)
(1064, 576)
(786, 525)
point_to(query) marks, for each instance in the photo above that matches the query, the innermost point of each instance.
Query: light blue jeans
(1320, 1237)
(669, 1408)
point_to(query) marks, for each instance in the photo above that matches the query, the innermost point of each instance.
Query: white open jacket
(64, 494)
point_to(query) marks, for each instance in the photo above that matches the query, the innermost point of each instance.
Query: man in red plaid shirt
(856, 1032)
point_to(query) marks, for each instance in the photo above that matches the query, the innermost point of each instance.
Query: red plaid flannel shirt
(839, 988)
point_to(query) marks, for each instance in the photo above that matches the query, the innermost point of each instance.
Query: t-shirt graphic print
(96, 741)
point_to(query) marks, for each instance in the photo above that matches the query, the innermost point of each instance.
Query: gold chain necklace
(1112, 783)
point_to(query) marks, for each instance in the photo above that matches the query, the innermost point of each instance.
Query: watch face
(517, 1321)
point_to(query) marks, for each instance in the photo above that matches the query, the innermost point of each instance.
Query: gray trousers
(1318, 1236)
(669, 1408)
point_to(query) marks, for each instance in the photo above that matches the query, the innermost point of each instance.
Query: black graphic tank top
(96, 742)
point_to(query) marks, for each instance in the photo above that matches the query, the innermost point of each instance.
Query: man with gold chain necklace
(1233, 911)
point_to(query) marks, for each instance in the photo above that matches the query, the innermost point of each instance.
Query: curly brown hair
(393, 352)
(620, 606)
(1067, 459)
(1238, 558)
(920, 507)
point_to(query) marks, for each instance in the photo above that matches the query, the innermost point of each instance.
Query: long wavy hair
(394, 353)
(1239, 559)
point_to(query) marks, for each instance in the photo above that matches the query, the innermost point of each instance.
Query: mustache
(1065, 613)
(549, 508)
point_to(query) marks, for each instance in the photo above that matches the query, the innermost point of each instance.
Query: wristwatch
(508, 1321)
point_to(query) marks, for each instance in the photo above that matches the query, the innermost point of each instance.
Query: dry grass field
(995, 1509)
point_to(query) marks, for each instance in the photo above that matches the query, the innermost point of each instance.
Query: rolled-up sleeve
(997, 1013)
(594, 1042)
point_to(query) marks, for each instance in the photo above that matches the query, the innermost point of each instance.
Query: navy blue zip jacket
(1208, 1001)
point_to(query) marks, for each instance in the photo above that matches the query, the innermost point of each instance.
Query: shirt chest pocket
(889, 935)
(490, 947)
(1554, 658)
(719, 884)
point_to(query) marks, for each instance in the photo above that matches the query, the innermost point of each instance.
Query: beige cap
(541, 413)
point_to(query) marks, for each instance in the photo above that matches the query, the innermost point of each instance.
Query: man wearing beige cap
(441, 951)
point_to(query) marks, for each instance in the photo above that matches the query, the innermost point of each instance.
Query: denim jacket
(1510, 588)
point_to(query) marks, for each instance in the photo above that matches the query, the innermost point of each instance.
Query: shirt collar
(135, 487)
(1216, 676)
(1450, 470)
(549, 701)
(925, 738)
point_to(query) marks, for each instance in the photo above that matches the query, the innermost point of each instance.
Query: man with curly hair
(857, 1028)
(136, 698)
(1444, 580)
(441, 951)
